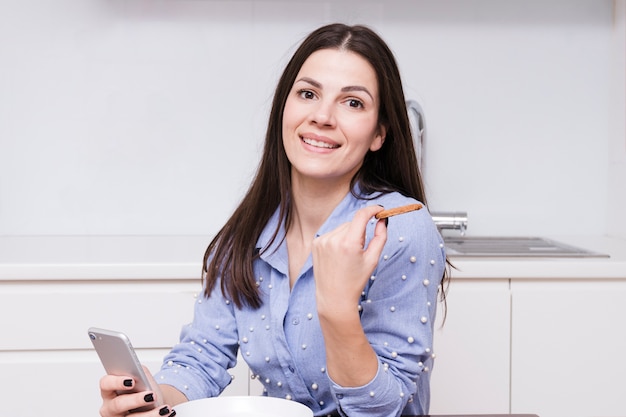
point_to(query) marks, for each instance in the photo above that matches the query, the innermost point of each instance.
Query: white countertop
(180, 257)
(101, 257)
(612, 267)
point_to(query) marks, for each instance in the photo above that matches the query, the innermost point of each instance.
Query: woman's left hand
(342, 265)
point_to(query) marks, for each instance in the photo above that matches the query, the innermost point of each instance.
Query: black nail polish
(386, 221)
(148, 398)
(163, 411)
(128, 382)
(173, 414)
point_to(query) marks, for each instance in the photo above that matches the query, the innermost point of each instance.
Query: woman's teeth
(319, 144)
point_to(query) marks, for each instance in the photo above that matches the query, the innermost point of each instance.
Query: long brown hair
(231, 253)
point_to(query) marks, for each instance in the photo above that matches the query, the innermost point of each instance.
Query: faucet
(443, 220)
(450, 220)
(418, 129)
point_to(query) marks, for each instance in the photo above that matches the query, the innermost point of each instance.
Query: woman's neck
(311, 206)
(312, 203)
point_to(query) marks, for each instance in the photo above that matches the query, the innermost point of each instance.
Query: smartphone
(118, 358)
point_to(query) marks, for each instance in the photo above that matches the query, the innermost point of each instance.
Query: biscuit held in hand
(398, 210)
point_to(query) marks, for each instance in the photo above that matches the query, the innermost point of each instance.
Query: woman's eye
(355, 103)
(306, 94)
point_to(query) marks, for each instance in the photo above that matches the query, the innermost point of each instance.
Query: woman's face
(330, 119)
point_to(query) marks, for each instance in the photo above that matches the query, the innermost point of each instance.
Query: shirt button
(295, 321)
(339, 396)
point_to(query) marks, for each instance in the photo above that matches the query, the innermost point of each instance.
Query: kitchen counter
(612, 267)
(477, 415)
(529, 311)
(101, 257)
(180, 257)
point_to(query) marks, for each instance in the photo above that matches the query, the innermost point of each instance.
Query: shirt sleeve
(198, 365)
(398, 310)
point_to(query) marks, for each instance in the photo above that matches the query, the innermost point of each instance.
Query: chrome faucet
(418, 130)
(451, 220)
(444, 220)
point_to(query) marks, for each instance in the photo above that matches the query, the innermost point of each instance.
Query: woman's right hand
(117, 405)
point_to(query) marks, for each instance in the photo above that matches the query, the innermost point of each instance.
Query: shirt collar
(276, 254)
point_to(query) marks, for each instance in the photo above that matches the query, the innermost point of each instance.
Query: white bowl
(242, 406)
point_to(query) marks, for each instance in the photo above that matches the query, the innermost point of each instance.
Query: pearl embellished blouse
(282, 341)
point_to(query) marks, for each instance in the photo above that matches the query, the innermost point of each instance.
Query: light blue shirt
(282, 341)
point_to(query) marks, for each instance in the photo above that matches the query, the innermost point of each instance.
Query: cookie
(398, 210)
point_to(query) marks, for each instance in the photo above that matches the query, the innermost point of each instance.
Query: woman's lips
(317, 142)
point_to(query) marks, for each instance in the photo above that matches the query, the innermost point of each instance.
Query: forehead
(339, 66)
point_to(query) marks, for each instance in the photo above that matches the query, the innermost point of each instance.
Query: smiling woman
(328, 305)
(330, 119)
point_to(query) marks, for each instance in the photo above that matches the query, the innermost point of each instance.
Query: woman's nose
(323, 114)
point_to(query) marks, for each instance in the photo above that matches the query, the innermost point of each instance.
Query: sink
(528, 247)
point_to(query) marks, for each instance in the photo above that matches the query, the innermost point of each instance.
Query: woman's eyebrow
(346, 89)
(357, 88)
(310, 81)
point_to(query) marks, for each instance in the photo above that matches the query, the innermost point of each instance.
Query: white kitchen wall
(616, 225)
(147, 116)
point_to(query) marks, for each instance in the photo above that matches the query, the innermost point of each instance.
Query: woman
(330, 307)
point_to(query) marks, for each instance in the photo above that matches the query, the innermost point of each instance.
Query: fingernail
(128, 382)
(386, 221)
(148, 398)
(173, 414)
(163, 411)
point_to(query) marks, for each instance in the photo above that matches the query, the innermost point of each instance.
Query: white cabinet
(569, 347)
(471, 371)
(521, 336)
(552, 347)
(45, 351)
(47, 364)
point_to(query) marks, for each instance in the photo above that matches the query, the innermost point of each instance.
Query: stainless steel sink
(514, 247)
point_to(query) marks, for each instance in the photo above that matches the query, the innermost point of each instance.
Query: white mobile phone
(118, 358)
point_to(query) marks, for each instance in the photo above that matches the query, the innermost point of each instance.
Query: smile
(319, 144)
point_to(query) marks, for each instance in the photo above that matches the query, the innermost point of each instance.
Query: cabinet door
(568, 348)
(47, 364)
(471, 371)
(56, 383)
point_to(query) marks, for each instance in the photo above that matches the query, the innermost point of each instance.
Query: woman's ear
(379, 139)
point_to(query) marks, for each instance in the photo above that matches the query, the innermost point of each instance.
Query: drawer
(45, 316)
(76, 375)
